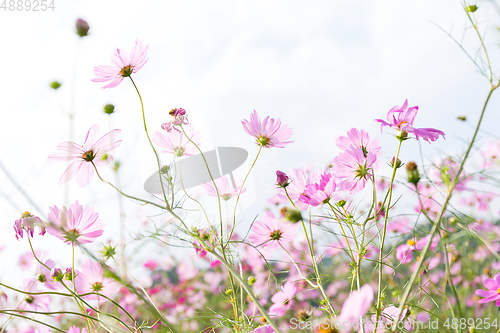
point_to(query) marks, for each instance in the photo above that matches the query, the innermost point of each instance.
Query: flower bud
(398, 163)
(68, 274)
(462, 118)
(341, 203)
(229, 291)
(41, 278)
(291, 215)
(57, 274)
(55, 85)
(282, 179)
(108, 251)
(471, 9)
(412, 171)
(82, 28)
(109, 108)
(251, 280)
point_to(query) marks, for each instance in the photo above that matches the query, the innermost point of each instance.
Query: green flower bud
(108, 251)
(462, 118)
(251, 280)
(412, 171)
(109, 108)
(82, 28)
(55, 85)
(471, 9)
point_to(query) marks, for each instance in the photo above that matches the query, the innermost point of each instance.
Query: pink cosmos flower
(401, 225)
(404, 252)
(319, 193)
(402, 118)
(151, 264)
(34, 302)
(27, 222)
(75, 329)
(42, 329)
(264, 329)
(491, 154)
(493, 292)
(445, 173)
(75, 225)
(93, 151)
(43, 274)
(355, 168)
(356, 306)
(175, 142)
(272, 233)
(226, 191)
(361, 139)
(283, 300)
(387, 316)
(268, 133)
(298, 183)
(478, 200)
(92, 279)
(123, 66)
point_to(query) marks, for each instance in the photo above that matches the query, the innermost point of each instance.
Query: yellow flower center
(498, 291)
(26, 214)
(411, 242)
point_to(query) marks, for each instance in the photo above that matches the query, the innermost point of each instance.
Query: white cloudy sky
(320, 66)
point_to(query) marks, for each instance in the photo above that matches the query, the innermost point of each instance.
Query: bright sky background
(320, 66)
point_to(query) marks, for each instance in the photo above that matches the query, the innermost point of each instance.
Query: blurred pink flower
(404, 252)
(319, 193)
(34, 302)
(357, 305)
(356, 168)
(493, 292)
(75, 225)
(151, 264)
(175, 142)
(269, 132)
(43, 274)
(400, 225)
(264, 329)
(272, 233)
(93, 151)
(27, 222)
(75, 329)
(491, 154)
(123, 66)
(282, 300)
(186, 270)
(92, 279)
(402, 118)
(226, 191)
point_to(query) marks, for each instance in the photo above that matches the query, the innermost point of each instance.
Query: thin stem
(151, 143)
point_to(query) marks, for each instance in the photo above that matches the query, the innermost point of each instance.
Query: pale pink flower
(175, 142)
(34, 302)
(356, 306)
(319, 193)
(491, 154)
(387, 316)
(269, 132)
(493, 292)
(93, 151)
(92, 279)
(264, 329)
(480, 201)
(355, 168)
(75, 329)
(43, 275)
(123, 66)
(400, 225)
(75, 225)
(186, 270)
(361, 139)
(272, 233)
(226, 191)
(27, 222)
(42, 329)
(25, 260)
(445, 173)
(282, 300)
(402, 118)
(404, 252)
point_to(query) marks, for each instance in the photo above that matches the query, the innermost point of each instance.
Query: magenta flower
(282, 179)
(298, 184)
(92, 152)
(493, 292)
(268, 133)
(175, 142)
(357, 305)
(355, 168)
(226, 191)
(123, 66)
(319, 193)
(27, 222)
(283, 300)
(402, 118)
(92, 279)
(75, 225)
(272, 233)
